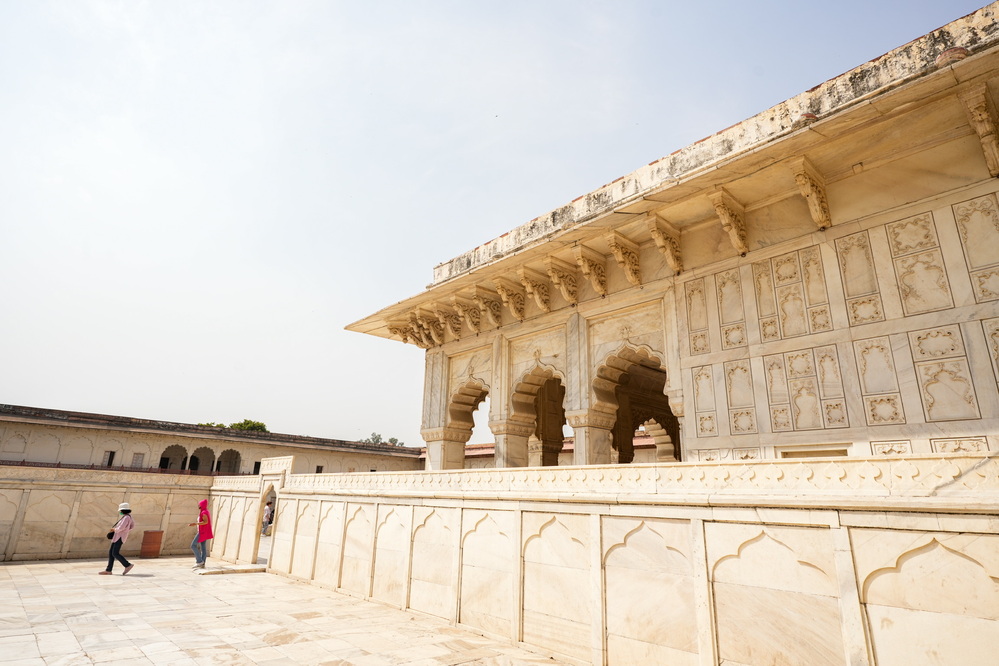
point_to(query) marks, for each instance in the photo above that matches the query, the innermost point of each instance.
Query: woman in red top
(200, 543)
(121, 529)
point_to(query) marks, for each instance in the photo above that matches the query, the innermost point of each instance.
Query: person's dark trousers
(114, 553)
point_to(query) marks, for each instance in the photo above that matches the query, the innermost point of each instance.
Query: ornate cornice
(812, 186)
(667, 238)
(626, 254)
(563, 276)
(593, 267)
(732, 216)
(489, 305)
(982, 116)
(536, 285)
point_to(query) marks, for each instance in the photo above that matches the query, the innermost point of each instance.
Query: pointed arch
(538, 401)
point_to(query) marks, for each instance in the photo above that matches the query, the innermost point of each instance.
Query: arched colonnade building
(819, 280)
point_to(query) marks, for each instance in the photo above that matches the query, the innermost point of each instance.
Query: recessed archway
(202, 460)
(173, 457)
(629, 384)
(228, 462)
(539, 401)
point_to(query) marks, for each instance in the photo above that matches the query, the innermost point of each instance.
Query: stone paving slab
(63, 612)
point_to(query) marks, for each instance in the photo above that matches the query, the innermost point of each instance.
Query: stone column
(592, 437)
(511, 443)
(445, 447)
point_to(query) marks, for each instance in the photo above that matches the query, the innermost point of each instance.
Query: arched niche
(202, 460)
(538, 404)
(629, 384)
(173, 457)
(228, 462)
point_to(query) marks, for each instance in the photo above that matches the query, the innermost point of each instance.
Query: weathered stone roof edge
(974, 32)
(42, 416)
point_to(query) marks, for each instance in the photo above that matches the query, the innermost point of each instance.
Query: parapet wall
(859, 561)
(50, 513)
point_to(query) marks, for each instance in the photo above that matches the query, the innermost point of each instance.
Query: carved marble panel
(884, 409)
(960, 445)
(739, 383)
(947, 390)
(697, 316)
(922, 282)
(829, 373)
(776, 379)
(986, 284)
(805, 410)
(729, 296)
(704, 390)
(472, 366)
(834, 413)
(865, 310)
(912, 234)
(978, 226)
(792, 287)
(875, 365)
(639, 327)
(734, 336)
(547, 348)
(991, 327)
(707, 425)
(856, 263)
(763, 283)
(892, 448)
(780, 418)
(935, 343)
(742, 421)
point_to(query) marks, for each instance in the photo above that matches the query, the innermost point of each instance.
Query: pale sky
(197, 196)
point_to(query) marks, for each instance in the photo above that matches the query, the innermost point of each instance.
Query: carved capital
(732, 216)
(461, 435)
(512, 428)
(536, 285)
(591, 418)
(982, 116)
(592, 266)
(469, 311)
(513, 295)
(626, 254)
(812, 186)
(563, 276)
(667, 238)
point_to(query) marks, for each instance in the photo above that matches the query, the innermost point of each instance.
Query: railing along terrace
(118, 468)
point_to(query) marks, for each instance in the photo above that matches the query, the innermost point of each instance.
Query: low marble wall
(834, 561)
(51, 513)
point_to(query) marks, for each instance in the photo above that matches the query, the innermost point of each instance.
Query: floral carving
(730, 213)
(591, 265)
(626, 254)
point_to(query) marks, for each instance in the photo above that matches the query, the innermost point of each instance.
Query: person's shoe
(199, 565)
(104, 573)
(127, 569)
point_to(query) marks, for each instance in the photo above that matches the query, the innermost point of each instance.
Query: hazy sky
(196, 197)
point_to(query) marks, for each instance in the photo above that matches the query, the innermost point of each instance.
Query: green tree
(247, 424)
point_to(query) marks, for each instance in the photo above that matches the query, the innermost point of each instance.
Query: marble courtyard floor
(63, 612)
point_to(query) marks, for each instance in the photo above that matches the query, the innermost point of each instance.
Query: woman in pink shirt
(200, 543)
(121, 530)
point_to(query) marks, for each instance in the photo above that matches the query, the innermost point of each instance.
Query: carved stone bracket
(732, 216)
(982, 116)
(536, 285)
(812, 186)
(592, 266)
(626, 254)
(489, 305)
(667, 238)
(563, 276)
(469, 311)
(449, 318)
(411, 331)
(432, 327)
(513, 295)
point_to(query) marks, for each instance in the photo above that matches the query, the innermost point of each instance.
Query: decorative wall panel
(878, 382)
(705, 416)
(860, 280)
(978, 227)
(739, 387)
(945, 384)
(919, 267)
(805, 390)
(791, 295)
(730, 310)
(697, 316)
